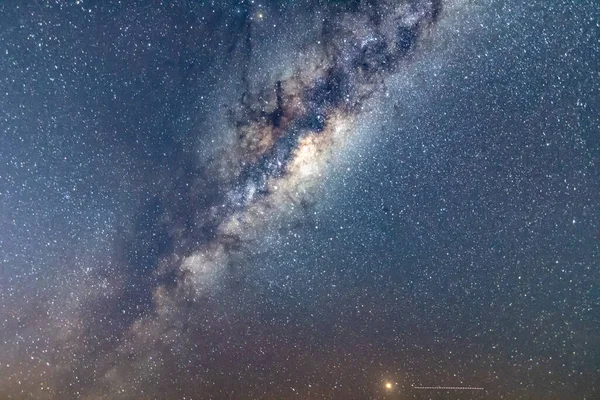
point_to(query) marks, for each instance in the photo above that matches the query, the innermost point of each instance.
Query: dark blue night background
(364, 199)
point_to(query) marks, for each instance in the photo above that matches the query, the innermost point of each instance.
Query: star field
(317, 199)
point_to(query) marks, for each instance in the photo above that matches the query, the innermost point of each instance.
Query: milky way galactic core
(283, 136)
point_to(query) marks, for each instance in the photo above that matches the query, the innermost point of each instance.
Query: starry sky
(344, 199)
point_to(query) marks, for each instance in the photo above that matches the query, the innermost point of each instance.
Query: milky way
(284, 135)
(281, 138)
(279, 142)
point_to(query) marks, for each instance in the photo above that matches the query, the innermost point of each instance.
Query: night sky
(350, 199)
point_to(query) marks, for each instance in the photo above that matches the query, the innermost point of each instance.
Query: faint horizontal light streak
(447, 388)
